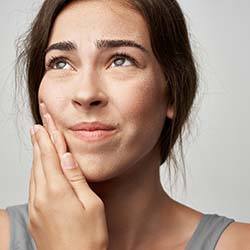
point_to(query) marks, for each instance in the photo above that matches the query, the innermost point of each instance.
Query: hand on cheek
(69, 165)
(55, 135)
(60, 199)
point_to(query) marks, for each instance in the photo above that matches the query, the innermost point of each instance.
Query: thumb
(77, 180)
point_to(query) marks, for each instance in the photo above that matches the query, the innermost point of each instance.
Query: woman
(111, 86)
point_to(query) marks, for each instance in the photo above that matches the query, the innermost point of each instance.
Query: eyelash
(55, 59)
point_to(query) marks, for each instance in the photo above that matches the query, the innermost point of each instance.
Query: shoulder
(236, 236)
(4, 230)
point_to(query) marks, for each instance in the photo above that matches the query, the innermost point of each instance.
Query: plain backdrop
(217, 152)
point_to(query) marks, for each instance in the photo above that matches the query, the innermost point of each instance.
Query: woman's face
(90, 84)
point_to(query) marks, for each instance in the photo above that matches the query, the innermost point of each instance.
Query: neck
(134, 203)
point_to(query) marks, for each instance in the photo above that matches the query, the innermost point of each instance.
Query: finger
(51, 124)
(32, 190)
(56, 136)
(48, 121)
(38, 173)
(49, 158)
(78, 181)
(43, 112)
(59, 142)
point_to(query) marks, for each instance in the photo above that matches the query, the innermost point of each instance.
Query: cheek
(53, 95)
(144, 102)
(143, 109)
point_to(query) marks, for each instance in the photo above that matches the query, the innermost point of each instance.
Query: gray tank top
(205, 237)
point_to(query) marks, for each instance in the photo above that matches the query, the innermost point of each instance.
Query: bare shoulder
(236, 236)
(4, 230)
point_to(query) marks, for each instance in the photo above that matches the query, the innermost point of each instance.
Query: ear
(170, 112)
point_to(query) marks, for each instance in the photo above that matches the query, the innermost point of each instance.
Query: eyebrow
(100, 44)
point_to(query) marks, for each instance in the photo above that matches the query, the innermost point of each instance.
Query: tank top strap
(208, 232)
(20, 238)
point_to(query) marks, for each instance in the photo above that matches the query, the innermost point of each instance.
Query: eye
(121, 58)
(58, 63)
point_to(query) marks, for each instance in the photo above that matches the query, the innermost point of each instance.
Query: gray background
(217, 151)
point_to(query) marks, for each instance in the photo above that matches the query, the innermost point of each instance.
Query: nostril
(95, 103)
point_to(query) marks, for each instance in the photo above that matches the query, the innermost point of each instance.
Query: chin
(97, 169)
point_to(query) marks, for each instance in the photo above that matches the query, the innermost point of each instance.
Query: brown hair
(170, 44)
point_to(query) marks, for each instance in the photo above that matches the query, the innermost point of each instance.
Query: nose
(89, 92)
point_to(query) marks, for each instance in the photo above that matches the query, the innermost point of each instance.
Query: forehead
(86, 21)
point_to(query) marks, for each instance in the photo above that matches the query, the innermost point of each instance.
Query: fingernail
(67, 161)
(36, 128)
(32, 131)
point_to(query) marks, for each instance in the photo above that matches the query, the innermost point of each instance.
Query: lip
(93, 131)
(93, 136)
(92, 126)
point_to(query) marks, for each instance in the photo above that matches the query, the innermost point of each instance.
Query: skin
(110, 202)
(88, 86)
(82, 223)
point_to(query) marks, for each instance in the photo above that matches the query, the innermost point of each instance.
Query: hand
(64, 213)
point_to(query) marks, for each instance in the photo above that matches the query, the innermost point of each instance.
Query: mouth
(92, 126)
(94, 135)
